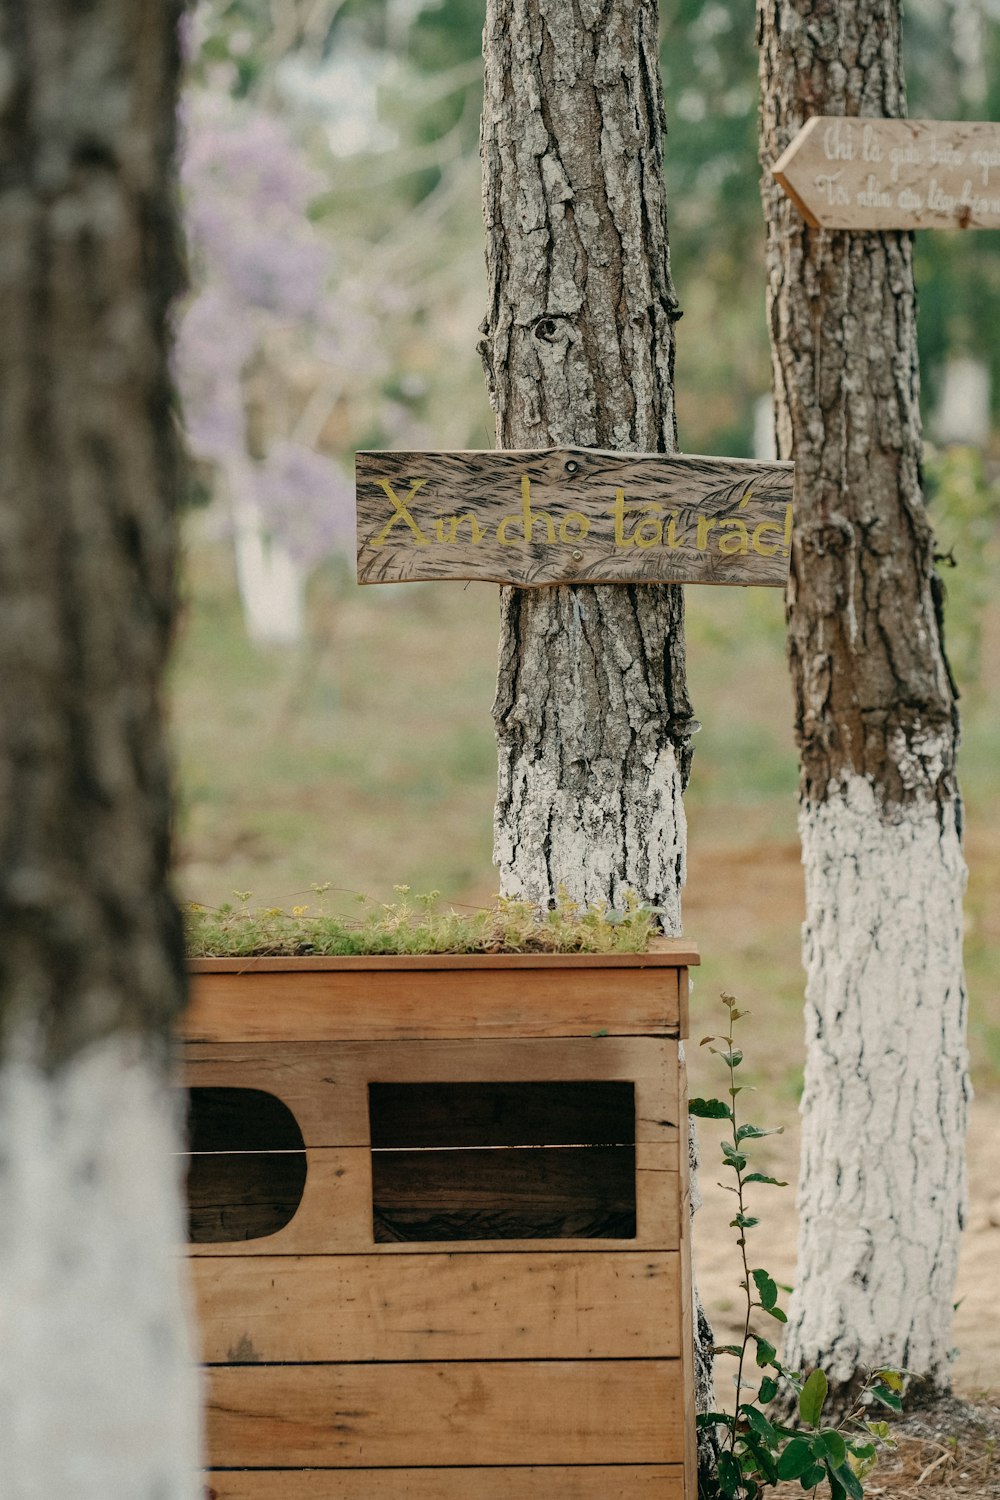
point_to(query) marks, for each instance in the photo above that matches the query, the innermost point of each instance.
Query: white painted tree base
(98, 1389)
(882, 1187)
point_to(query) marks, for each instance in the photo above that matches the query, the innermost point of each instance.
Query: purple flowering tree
(265, 351)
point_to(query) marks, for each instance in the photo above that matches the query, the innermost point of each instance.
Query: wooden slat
(539, 1192)
(599, 1482)
(686, 1309)
(287, 1309)
(521, 1112)
(662, 952)
(374, 1415)
(335, 1215)
(572, 515)
(243, 1195)
(325, 1084)
(360, 1005)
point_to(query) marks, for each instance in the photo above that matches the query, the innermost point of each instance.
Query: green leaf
(886, 1397)
(714, 1419)
(759, 1177)
(811, 1478)
(767, 1291)
(765, 1463)
(730, 1475)
(765, 1351)
(834, 1445)
(864, 1451)
(727, 1349)
(837, 1488)
(852, 1484)
(795, 1458)
(892, 1378)
(734, 1158)
(756, 1132)
(768, 1390)
(709, 1109)
(732, 1059)
(878, 1429)
(743, 1221)
(777, 1314)
(757, 1420)
(812, 1398)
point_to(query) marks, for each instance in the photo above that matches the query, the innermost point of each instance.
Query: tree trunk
(592, 715)
(882, 1182)
(97, 1392)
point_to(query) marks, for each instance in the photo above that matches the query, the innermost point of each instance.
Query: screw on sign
(550, 516)
(870, 174)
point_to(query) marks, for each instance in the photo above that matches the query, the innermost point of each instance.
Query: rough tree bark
(98, 1395)
(592, 714)
(882, 1185)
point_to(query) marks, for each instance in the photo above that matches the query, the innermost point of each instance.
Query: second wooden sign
(573, 515)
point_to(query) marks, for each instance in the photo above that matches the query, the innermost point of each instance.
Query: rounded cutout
(246, 1165)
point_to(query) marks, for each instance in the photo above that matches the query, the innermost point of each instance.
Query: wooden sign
(572, 515)
(854, 173)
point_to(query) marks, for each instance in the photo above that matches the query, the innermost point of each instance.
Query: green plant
(417, 924)
(758, 1451)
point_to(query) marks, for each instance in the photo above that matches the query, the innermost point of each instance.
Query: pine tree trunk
(882, 1178)
(592, 715)
(97, 1392)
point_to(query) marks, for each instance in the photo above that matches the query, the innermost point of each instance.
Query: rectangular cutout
(495, 1161)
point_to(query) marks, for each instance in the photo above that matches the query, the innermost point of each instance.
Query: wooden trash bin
(439, 1226)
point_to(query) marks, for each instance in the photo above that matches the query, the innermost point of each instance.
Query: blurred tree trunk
(98, 1396)
(592, 714)
(882, 1177)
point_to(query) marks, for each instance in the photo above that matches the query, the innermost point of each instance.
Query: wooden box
(439, 1226)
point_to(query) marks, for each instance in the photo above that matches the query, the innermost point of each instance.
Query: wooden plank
(539, 1192)
(597, 1482)
(374, 1415)
(573, 515)
(661, 953)
(870, 174)
(335, 1215)
(686, 1310)
(325, 1084)
(315, 1309)
(332, 1006)
(521, 1112)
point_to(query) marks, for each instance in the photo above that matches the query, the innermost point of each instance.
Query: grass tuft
(421, 924)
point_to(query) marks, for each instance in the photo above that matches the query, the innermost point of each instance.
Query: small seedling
(756, 1451)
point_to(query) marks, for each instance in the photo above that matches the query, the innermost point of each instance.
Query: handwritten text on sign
(572, 515)
(851, 173)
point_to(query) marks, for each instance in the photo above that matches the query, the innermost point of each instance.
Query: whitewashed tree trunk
(271, 583)
(963, 412)
(98, 1398)
(882, 1181)
(592, 715)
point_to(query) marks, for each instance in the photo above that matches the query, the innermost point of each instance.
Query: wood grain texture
(325, 1084)
(661, 953)
(870, 174)
(357, 1005)
(597, 1482)
(316, 1309)
(541, 1192)
(335, 1214)
(370, 1415)
(572, 515)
